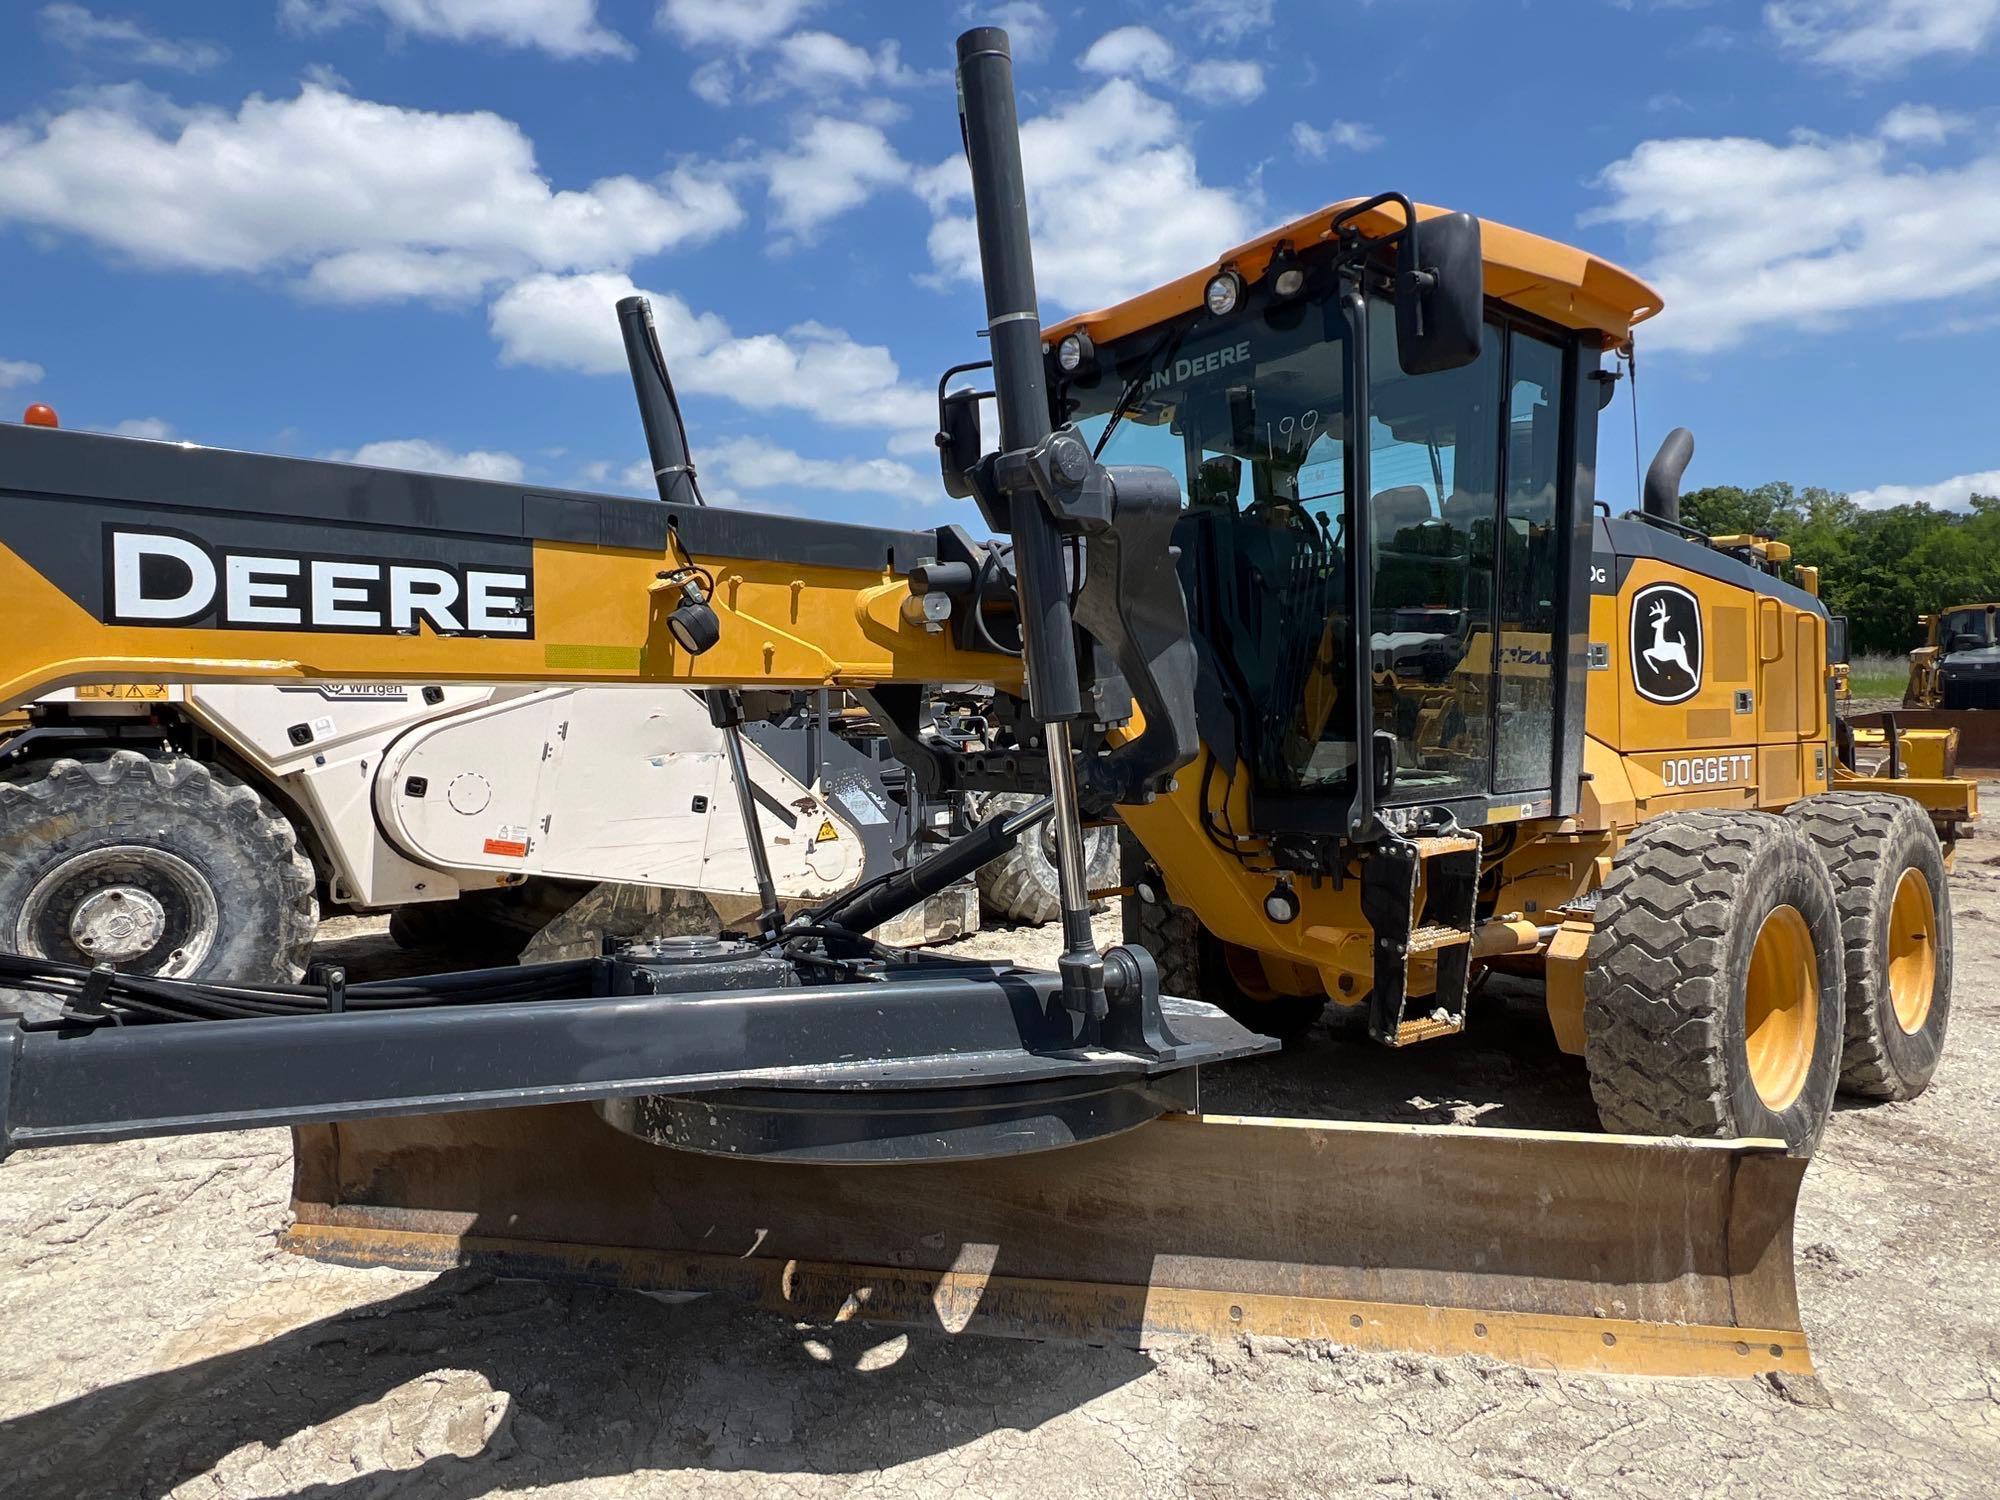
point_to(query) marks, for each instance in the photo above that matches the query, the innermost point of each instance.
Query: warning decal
(511, 842)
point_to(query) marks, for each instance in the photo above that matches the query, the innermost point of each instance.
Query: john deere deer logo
(1666, 643)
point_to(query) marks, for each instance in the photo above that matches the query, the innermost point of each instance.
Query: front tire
(1714, 982)
(1195, 964)
(1890, 884)
(1021, 885)
(159, 867)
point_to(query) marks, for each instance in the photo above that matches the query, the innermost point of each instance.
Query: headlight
(1288, 277)
(1074, 353)
(1224, 291)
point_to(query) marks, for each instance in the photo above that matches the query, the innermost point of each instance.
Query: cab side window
(1529, 558)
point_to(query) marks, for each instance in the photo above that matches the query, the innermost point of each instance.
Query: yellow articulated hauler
(1302, 582)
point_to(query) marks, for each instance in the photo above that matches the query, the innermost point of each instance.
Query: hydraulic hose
(891, 895)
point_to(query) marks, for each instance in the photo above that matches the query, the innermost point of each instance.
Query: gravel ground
(153, 1341)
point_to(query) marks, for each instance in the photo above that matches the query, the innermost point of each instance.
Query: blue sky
(393, 229)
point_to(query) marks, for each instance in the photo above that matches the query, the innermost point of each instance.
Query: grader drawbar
(797, 1114)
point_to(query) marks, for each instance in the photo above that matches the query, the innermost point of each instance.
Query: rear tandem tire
(1890, 884)
(1193, 962)
(1713, 984)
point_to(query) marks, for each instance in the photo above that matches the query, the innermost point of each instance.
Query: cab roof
(1551, 280)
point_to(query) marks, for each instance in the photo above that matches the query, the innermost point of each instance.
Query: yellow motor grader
(1946, 723)
(1384, 701)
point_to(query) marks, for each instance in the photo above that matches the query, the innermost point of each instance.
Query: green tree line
(1880, 568)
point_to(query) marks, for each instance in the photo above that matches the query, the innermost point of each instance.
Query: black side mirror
(958, 441)
(1440, 295)
(1836, 640)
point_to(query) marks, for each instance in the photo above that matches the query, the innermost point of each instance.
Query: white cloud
(1029, 26)
(434, 458)
(156, 428)
(750, 464)
(734, 23)
(814, 60)
(1974, 323)
(1314, 144)
(832, 166)
(566, 322)
(562, 28)
(815, 63)
(1130, 52)
(1840, 225)
(1220, 81)
(1115, 200)
(1882, 36)
(1140, 52)
(714, 82)
(15, 372)
(83, 30)
(1920, 125)
(366, 200)
(1226, 20)
(570, 323)
(1947, 494)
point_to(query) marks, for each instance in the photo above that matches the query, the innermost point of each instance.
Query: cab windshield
(1251, 413)
(1967, 629)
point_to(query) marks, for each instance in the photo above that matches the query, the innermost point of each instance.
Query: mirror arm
(1347, 215)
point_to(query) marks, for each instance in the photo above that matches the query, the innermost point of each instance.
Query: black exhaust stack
(1663, 479)
(659, 410)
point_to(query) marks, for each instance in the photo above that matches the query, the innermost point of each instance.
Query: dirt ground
(153, 1341)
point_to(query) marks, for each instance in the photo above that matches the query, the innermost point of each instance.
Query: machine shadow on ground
(596, 1383)
(1504, 1070)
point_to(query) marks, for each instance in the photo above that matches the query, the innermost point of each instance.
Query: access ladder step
(1433, 936)
(1431, 845)
(1420, 896)
(1427, 1028)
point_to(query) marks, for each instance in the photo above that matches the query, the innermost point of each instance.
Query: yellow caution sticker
(826, 831)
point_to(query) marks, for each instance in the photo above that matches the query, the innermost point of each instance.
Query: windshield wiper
(1169, 346)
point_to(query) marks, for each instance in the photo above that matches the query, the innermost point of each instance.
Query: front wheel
(1022, 885)
(1713, 986)
(1197, 965)
(158, 867)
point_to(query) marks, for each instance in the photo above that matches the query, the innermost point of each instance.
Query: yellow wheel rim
(1912, 950)
(1781, 1007)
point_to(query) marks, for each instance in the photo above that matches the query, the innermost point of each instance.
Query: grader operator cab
(1384, 703)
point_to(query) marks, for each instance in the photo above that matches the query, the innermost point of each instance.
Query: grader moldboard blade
(1978, 746)
(1582, 1252)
